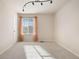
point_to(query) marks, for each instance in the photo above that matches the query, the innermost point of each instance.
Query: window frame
(28, 24)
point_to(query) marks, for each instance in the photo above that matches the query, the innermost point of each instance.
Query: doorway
(27, 29)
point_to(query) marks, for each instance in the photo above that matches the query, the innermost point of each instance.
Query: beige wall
(67, 26)
(45, 26)
(7, 26)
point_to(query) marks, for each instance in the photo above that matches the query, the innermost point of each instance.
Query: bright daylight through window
(27, 25)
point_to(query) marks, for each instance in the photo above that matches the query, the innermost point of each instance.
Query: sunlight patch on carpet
(36, 52)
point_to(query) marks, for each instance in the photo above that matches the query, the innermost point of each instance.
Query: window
(28, 24)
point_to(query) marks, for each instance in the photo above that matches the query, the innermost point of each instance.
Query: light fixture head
(23, 10)
(51, 1)
(41, 3)
(32, 3)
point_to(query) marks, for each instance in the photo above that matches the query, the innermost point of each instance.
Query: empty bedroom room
(39, 29)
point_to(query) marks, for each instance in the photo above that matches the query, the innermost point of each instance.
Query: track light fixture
(36, 1)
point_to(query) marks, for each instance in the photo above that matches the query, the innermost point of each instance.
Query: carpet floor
(56, 51)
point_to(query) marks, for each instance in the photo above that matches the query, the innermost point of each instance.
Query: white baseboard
(65, 47)
(3, 51)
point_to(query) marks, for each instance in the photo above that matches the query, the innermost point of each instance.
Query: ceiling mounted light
(51, 1)
(41, 3)
(32, 3)
(36, 1)
(23, 10)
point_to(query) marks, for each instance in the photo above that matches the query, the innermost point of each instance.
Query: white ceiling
(37, 8)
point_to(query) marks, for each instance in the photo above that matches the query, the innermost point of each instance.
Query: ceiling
(37, 8)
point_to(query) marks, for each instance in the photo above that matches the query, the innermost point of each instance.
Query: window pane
(25, 29)
(28, 25)
(30, 29)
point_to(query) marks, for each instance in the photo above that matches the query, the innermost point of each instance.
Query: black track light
(23, 10)
(36, 1)
(41, 3)
(51, 1)
(32, 3)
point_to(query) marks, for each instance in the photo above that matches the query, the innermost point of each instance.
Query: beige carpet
(56, 51)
